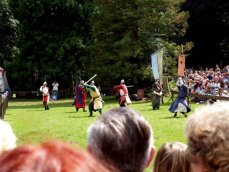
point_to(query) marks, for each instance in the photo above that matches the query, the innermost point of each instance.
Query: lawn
(32, 124)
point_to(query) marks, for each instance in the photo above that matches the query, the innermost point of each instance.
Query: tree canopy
(69, 40)
(54, 35)
(127, 32)
(8, 34)
(208, 29)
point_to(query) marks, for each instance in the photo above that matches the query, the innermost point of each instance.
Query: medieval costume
(123, 93)
(45, 94)
(180, 104)
(81, 96)
(157, 94)
(96, 103)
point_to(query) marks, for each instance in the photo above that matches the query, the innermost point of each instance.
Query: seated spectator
(216, 93)
(7, 137)
(172, 157)
(225, 85)
(123, 138)
(224, 93)
(52, 156)
(207, 131)
(212, 91)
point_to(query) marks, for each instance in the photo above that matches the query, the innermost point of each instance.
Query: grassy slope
(33, 124)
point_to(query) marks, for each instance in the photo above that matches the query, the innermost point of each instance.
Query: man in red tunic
(81, 96)
(45, 94)
(122, 90)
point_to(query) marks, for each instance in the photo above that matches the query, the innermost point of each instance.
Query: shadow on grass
(52, 104)
(40, 109)
(141, 102)
(170, 117)
(71, 112)
(149, 110)
(86, 116)
(40, 105)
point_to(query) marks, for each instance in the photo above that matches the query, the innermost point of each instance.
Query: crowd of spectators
(209, 81)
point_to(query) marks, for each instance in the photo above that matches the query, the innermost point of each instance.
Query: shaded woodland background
(70, 40)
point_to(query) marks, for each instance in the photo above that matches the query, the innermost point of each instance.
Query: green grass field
(32, 124)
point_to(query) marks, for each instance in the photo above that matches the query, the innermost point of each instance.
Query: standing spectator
(45, 94)
(55, 86)
(123, 138)
(172, 157)
(50, 156)
(7, 137)
(207, 131)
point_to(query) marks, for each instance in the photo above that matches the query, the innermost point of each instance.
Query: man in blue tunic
(180, 104)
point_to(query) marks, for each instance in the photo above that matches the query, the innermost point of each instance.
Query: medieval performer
(45, 94)
(75, 92)
(180, 104)
(157, 95)
(122, 91)
(80, 96)
(96, 103)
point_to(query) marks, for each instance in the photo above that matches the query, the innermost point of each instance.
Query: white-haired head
(45, 83)
(7, 137)
(122, 81)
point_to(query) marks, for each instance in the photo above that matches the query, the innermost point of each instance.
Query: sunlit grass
(32, 124)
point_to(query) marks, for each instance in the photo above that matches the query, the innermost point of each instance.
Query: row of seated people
(121, 140)
(211, 81)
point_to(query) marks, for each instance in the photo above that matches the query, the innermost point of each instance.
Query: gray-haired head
(122, 138)
(122, 81)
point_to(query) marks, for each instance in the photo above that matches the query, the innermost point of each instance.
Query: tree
(127, 32)
(54, 36)
(8, 34)
(208, 29)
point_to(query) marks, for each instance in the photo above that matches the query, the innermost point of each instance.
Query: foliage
(68, 40)
(209, 25)
(127, 32)
(54, 35)
(8, 34)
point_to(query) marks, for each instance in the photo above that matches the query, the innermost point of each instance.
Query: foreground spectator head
(123, 138)
(172, 157)
(208, 138)
(53, 156)
(7, 137)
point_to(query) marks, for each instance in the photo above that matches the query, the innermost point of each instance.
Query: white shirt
(55, 86)
(44, 90)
